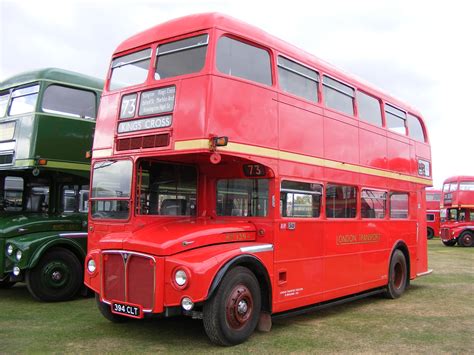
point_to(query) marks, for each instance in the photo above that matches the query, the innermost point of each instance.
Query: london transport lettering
(357, 239)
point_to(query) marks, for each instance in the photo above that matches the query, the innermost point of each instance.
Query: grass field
(435, 315)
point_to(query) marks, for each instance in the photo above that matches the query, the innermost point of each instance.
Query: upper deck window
(395, 119)
(369, 109)
(338, 95)
(181, 57)
(243, 60)
(130, 69)
(24, 100)
(298, 79)
(4, 103)
(453, 186)
(433, 197)
(69, 101)
(466, 186)
(415, 130)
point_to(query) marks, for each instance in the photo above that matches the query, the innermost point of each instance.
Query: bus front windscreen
(111, 186)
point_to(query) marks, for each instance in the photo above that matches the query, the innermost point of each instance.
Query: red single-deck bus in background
(457, 211)
(237, 178)
(433, 221)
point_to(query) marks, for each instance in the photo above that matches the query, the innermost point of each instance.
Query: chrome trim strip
(426, 273)
(114, 251)
(72, 234)
(257, 248)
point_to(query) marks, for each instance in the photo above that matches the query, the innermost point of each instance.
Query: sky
(420, 51)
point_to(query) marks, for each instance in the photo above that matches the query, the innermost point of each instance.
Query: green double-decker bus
(47, 120)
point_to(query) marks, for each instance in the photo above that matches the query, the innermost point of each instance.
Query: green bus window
(68, 101)
(24, 100)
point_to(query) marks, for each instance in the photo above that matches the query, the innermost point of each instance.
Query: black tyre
(430, 233)
(6, 284)
(397, 276)
(105, 310)
(232, 313)
(466, 239)
(450, 243)
(57, 277)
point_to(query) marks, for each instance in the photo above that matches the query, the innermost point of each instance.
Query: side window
(341, 201)
(369, 109)
(181, 57)
(300, 199)
(430, 217)
(373, 204)
(399, 205)
(338, 95)
(242, 60)
(74, 198)
(69, 101)
(4, 96)
(466, 186)
(242, 197)
(12, 199)
(298, 79)
(24, 100)
(415, 130)
(395, 119)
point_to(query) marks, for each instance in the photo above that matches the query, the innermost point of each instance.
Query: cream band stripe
(300, 158)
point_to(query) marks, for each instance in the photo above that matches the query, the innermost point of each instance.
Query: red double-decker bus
(433, 219)
(237, 179)
(457, 211)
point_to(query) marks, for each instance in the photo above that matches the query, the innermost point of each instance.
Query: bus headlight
(19, 254)
(91, 266)
(180, 277)
(10, 249)
(16, 271)
(187, 304)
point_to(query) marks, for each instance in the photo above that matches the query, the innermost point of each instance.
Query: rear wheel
(57, 277)
(398, 275)
(105, 310)
(466, 239)
(430, 233)
(450, 243)
(232, 314)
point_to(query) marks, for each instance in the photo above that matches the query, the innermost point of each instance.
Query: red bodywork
(433, 218)
(303, 260)
(457, 201)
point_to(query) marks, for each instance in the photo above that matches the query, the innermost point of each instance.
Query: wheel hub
(242, 307)
(56, 276)
(239, 307)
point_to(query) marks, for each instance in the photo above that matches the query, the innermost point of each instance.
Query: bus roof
(198, 22)
(464, 178)
(53, 74)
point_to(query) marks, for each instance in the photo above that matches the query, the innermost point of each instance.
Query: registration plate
(127, 309)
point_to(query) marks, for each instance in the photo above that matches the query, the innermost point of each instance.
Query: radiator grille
(129, 277)
(444, 233)
(6, 159)
(153, 141)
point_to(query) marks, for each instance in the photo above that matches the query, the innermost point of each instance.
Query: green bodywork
(46, 145)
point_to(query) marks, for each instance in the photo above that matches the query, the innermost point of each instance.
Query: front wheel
(466, 239)
(450, 243)
(57, 277)
(398, 275)
(232, 314)
(430, 233)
